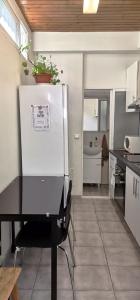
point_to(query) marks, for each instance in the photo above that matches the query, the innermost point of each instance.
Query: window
(12, 24)
(23, 38)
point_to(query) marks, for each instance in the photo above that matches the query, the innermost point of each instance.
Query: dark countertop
(124, 162)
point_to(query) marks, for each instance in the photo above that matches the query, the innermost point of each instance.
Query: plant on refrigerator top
(40, 65)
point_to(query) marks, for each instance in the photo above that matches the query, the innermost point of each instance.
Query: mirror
(90, 115)
(96, 115)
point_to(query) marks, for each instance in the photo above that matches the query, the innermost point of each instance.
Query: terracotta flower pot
(43, 78)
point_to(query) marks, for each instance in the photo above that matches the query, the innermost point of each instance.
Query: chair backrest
(67, 209)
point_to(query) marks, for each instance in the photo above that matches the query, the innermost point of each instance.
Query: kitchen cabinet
(120, 122)
(112, 166)
(132, 84)
(92, 169)
(132, 203)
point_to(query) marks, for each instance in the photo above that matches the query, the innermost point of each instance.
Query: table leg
(54, 273)
(13, 237)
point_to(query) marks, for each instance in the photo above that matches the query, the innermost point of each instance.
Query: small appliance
(132, 144)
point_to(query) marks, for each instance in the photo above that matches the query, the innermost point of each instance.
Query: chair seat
(39, 234)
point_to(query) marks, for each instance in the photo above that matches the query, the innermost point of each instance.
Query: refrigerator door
(66, 189)
(66, 146)
(42, 130)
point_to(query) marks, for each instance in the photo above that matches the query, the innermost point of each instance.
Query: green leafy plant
(41, 65)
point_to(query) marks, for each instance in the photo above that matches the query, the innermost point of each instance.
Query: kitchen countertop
(125, 162)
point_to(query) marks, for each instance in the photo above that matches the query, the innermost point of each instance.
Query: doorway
(96, 142)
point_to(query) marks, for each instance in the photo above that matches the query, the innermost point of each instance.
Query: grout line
(107, 261)
(37, 273)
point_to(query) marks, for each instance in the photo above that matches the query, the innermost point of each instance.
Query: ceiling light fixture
(90, 6)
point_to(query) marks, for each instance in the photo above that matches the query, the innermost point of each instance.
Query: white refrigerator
(44, 130)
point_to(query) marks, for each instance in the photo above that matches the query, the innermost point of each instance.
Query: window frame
(18, 23)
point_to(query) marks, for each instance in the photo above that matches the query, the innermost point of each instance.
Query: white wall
(10, 78)
(9, 150)
(9, 81)
(107, 71)
(85, 41)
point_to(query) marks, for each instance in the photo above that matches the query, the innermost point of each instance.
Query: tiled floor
(107, 259)
(95, 190)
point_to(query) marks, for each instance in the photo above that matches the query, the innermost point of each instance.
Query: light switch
(77, 136)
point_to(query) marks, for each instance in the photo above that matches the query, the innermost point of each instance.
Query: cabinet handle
(133, 184)
(136, 189)
(137, 193)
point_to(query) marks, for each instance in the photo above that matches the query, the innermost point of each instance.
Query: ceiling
(66, 15)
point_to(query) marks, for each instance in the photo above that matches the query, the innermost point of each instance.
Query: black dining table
(35, 198)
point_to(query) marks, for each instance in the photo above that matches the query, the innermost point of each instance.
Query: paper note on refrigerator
(40, 117)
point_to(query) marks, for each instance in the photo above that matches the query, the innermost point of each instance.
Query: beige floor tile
(120, 240)
(25, 294)
(107, 216)
(27, 277)
(88, 239)
(112, 227)
(102, 201)
(46, 295)
(92, 278)
(81, 201)
(84, 207)
(86, 226)
(104, 207)
(92, 189)
(131, 295)
(32, 256)
(43, 281)
(61, 258)
(95, 295)
(125, 278)
(123, 256)
(89, 256)
(85, 216)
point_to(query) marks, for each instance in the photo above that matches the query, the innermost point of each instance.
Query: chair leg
(15, 256)
(71, 251)
(70, 273)
(18, 249)
(72, 225)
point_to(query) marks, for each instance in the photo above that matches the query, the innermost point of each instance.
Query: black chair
(47, 234)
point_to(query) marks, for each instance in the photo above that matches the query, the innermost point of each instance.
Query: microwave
(132, 144)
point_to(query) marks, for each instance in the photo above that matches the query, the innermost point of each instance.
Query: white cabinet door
(137, 209)
(132, 85)
(130, 200)
(92, 170)
(132, 203)
(112, 165)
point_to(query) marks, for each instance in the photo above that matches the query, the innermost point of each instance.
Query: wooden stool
(8, 283)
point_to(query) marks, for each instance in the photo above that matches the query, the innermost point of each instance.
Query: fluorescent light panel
(90, 6)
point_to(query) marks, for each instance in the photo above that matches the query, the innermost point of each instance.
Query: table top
(32, 195)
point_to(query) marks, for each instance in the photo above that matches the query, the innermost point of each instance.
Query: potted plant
(43, 70)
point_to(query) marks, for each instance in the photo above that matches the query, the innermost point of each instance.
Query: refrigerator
(44, 131)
